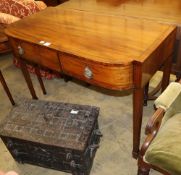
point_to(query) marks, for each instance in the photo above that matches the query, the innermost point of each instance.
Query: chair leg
(37, 71)
(143, 167)
(3, 82)
(143, 171)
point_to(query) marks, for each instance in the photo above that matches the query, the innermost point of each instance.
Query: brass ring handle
(88, 72)
(20, 50)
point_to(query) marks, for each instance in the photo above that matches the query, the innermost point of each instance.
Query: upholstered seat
(165, 150)
(162, 147)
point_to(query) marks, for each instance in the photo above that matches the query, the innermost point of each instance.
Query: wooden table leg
(178, 59)
(138, 98)
(146, 89)
(27, 78)
(3, 82)
(166, 73)
(40, 79)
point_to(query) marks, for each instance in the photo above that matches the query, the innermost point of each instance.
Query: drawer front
(107, 76)
(37, 54)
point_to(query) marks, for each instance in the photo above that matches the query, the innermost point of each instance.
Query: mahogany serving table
(103, 50)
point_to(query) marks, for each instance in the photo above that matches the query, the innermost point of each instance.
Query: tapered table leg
(40, 79)
(27, 78)
(178, 61)
(138, 98)
(146, 89)
(166, 73)
(3, 82)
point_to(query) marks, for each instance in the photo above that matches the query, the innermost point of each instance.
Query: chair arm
(168, 97)
(152, 129)
(155, 121)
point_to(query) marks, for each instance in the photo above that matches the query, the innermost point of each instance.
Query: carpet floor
(115, 120)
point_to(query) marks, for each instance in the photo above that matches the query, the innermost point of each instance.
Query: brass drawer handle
(88, 73)
(20, 50)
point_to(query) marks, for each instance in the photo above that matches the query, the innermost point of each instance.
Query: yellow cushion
(170, 94)
(7, 19)
(165, 150)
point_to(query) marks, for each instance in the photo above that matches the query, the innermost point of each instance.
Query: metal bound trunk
(55, 135)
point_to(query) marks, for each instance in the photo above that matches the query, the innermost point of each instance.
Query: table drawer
(37, 54)
(108, 76)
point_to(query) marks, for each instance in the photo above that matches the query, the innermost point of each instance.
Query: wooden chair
(161, 149)
(3, 82)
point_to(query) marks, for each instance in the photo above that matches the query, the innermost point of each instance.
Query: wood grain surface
(100, 38)
(97, 38)
(164, 11)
